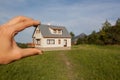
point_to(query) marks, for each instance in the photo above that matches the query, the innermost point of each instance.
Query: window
(55, 31)
(65, 43)
(59, 41)
(37, 31)
(59, 31)
(50, 41)
(38, 41)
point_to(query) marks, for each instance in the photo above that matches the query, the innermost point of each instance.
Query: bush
(22, 45)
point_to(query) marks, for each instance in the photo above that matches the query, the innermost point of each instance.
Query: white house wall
(38, 36)
(44, 42)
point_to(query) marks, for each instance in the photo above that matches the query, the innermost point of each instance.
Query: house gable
(37, 33)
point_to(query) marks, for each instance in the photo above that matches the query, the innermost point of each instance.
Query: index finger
(22, 25)
(17, 20)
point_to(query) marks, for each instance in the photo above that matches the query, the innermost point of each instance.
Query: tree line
(108, 35)
(22, 45)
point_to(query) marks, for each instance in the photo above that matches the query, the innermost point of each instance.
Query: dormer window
(59, 31)
(56, 31)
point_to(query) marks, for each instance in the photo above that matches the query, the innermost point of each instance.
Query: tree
(93, 38)
(22, 45)
(72, 35)
(82, 39)
(117, 32)
(106, 25)
(104, 34)
(117, 22)
(107, 35)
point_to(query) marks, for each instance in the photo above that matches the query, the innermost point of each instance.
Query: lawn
(83, 62)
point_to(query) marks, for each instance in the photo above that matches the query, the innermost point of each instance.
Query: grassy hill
(83, 62)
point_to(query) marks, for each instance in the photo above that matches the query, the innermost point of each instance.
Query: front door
(38, 42)
(65, 43)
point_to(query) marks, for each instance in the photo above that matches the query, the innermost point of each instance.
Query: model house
(49, 37)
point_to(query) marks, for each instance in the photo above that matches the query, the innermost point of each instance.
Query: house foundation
(54, 48)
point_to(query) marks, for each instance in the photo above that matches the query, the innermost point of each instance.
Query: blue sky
(79, 16)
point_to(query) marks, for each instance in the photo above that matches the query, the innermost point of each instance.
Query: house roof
(46, 32)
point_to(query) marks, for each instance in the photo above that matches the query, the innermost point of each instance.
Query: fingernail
(41, 52)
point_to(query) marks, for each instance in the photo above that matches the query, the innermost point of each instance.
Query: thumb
(30, 52)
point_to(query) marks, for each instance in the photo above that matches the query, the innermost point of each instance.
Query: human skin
(9, 51)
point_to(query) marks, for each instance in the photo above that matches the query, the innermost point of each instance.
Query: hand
(9, 51)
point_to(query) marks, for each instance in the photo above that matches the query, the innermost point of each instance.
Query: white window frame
(50, 41)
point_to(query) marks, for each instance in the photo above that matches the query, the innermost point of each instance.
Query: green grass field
(83, 62)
